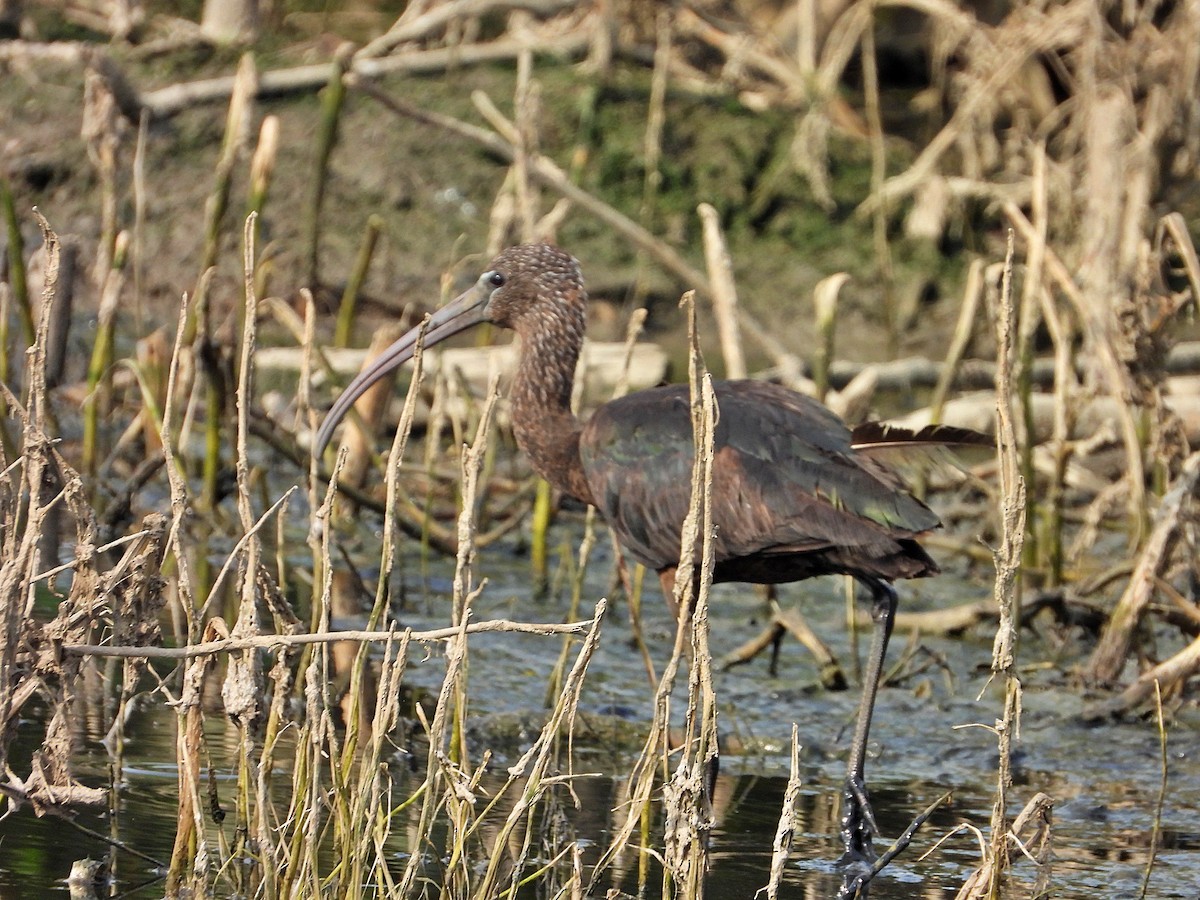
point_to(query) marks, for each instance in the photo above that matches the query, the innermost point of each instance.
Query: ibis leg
(858, 822)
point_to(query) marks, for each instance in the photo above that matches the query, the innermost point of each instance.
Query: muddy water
(1105, 779)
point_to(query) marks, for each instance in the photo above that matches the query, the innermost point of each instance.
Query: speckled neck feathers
(548, 312)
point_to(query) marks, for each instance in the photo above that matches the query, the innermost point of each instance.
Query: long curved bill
(468, 309)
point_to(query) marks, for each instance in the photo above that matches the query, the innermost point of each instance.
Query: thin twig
(283, 641)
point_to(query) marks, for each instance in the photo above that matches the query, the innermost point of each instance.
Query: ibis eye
(496, 279)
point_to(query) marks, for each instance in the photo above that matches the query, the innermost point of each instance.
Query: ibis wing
(785, 476)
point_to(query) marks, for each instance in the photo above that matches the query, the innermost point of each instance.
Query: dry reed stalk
(447, 781)
(879, 217)
(656, 116)
(655, 750)
(217, 646)
(243, 686)
(1008, 570)
(1029, 319)
(25, 508)
(963, 329)
(200, 329)
(1156, 829)
(190, 849)
(396, 458)
(138, 187)
(101, 132)
(1062, 333)
(370, 809)
(724, 292)
(652, 143)
(262, 169)
(1103, 274)
(237, 134)
(533, 768)
(527, 108)
(367, 802)
(785, 832)
(687, 798)
(825, 306)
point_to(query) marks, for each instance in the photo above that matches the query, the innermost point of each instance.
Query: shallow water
(1105, 779)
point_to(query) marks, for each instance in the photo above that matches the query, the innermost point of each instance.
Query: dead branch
(1110, 654)
(1168, 675)
(421, 26)
(169, 101)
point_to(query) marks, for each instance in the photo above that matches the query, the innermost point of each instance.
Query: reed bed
(197, 590)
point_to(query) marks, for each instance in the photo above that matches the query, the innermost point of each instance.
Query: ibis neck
(545, 427)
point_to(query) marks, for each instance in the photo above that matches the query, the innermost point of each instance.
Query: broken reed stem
(262, 167)
(825, 305)
(358, 275)
(655, 119)
(237, 127)
(138, 188)
(687, 797)
(963, 329)
(465, 591)
(177, 482)
(1028, 320)
(724, 292)
(243, 685)
(98, 403)
(17, 279)
(100, 132)
(333, 96)
(1008, 569)
(525, 109)
(879, 214)
(785, 832)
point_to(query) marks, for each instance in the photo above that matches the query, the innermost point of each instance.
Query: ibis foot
(857, 828)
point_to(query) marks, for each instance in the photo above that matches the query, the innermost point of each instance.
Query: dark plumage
(793, 496)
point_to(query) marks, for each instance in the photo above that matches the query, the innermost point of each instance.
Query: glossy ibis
(793, 496)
